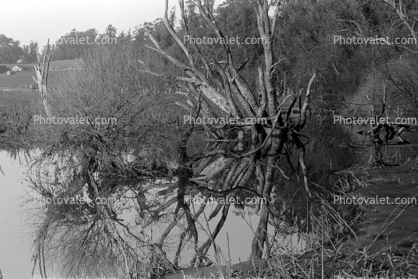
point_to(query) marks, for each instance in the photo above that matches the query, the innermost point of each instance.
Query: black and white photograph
(209, 139)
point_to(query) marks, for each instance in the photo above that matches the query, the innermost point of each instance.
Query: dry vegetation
(297, 161)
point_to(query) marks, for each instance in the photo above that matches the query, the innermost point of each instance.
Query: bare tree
(381, 132)
(239, 156)
(42, 70)
(236, 153)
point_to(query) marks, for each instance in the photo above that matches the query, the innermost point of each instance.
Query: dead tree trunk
(382, 132)
(42, 70)
(235, 151)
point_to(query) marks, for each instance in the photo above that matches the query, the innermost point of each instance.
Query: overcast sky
(27, 20)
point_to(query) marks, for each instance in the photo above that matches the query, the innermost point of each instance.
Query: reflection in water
(108, 224)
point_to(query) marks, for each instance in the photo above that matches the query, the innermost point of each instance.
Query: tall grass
(92, 240)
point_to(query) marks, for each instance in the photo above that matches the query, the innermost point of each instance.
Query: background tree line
(67, 47)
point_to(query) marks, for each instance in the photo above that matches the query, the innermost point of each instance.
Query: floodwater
(16, 217)
(15, 235)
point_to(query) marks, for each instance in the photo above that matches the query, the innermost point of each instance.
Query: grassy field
(21, 97)
(53, 65)
(18, 104)
(25, 79)
(17, 80)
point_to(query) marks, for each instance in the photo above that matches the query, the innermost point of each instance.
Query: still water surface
(16, 216)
